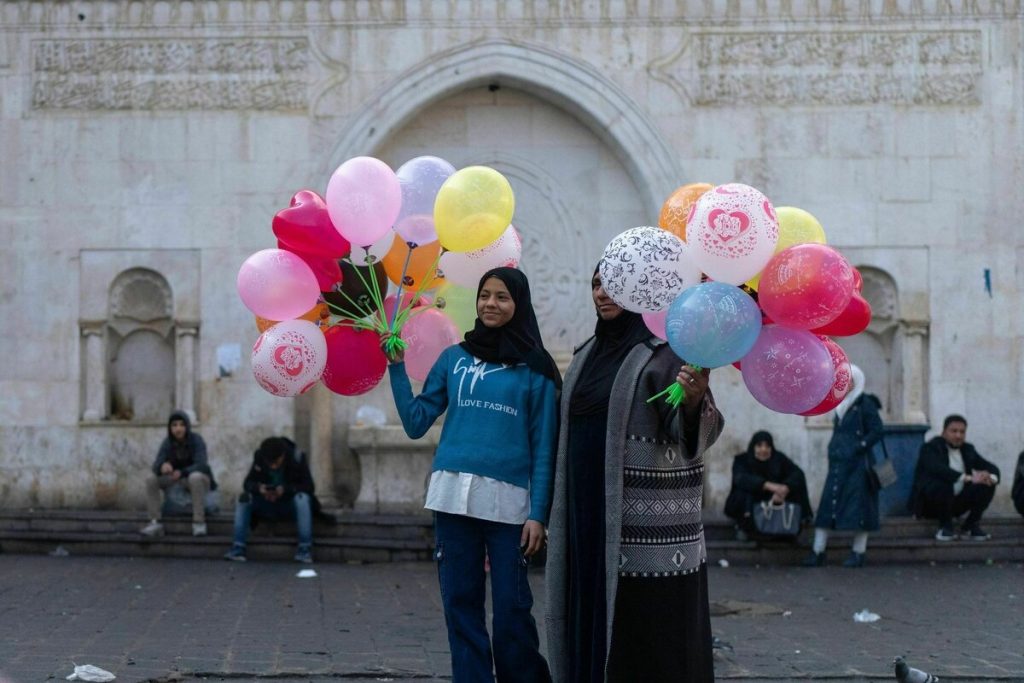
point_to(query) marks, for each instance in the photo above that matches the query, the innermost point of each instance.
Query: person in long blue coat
(848, 501)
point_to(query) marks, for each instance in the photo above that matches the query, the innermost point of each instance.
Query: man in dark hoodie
(279, 486)
(181, 461)
(951, 478)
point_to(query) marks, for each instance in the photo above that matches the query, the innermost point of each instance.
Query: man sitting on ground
(181, 461)
(951, 479)
(279, 486)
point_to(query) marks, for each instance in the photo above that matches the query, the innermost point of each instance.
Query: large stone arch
(568, 83)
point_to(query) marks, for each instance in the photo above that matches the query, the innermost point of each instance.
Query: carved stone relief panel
(256, 74)
(141, 295)
(837, 68)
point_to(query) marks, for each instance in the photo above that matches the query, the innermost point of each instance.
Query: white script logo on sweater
(478, 372)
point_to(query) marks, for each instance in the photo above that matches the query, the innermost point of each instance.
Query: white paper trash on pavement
(865, 617)
(306, 573)
(88, 672)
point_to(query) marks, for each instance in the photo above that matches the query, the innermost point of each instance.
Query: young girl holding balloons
(490, 488)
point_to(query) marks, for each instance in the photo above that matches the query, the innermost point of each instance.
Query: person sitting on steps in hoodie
(181, 461)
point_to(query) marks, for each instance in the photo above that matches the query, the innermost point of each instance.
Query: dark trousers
(938, 502)
(461, 544)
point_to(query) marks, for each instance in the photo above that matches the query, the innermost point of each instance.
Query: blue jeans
(296, 508)
(461, 543)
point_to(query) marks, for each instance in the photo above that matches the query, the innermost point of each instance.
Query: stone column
(94, 371)
(320, 434)
(915, 380)
(185, 367)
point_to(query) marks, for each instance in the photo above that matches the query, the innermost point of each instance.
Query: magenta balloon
(277, 285)
(428, 332)
(656, 323)
(289, 358)
(363, 200)
(806, 286)
(355, 362)
(788, 371)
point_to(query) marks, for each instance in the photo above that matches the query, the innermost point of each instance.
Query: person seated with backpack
(762, 474)
(279, 486)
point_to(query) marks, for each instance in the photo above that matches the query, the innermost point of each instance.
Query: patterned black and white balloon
(643, 269)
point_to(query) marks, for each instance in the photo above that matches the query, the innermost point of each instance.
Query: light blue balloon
(712, 324)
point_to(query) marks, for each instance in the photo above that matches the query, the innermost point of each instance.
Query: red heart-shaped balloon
(853, 320)
(305, 227)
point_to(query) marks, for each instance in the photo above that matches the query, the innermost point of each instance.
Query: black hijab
(518, 340)
(614, 339)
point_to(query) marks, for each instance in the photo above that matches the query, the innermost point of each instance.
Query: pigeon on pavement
(907, 674)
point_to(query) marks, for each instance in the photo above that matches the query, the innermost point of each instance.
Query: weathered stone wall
(164, 135)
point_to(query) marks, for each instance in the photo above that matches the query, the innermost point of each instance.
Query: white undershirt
(473, 495)
(956, 463)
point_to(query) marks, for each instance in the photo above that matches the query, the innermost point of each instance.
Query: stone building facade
(146, 145)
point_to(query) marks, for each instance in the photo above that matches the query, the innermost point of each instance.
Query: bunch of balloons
(323, 298)
(728, 278)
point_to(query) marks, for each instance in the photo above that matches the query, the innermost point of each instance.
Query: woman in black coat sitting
(760, 474)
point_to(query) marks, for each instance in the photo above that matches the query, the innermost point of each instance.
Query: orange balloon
(319, 314)
(676, 208)
(424, 258)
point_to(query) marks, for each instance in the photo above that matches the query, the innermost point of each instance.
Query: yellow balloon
(473, 208)
(796, 226)
(458, 303)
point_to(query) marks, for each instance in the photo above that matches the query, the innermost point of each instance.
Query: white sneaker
(198, 528)
(154, 528)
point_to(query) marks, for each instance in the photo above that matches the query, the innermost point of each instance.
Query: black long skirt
(662, 630)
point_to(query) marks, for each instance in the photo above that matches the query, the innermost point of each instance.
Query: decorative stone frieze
(831, 68)
(261, 74)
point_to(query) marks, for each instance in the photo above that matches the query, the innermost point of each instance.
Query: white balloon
(644, 269)
(733, 231)
(467, 267)
(289, 358)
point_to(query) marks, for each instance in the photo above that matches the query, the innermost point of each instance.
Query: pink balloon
(842, 380)
(806, 286)
(325, 269)
(355, 362)
(788, 371)
(656, 323)
(277, 285)
(465, 268)
(407, 302)
(289, 358)
(363, 200)
(428, 332)
(733, 231)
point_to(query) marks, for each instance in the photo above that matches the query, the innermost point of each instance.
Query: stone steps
(392, 538)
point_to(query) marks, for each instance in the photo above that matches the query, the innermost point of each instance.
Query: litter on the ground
(723, 562)
(306, 573)
(59, 551)
(865, 617)
(787, 613)
(88, 672)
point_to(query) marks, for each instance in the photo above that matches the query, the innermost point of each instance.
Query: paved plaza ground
(164, 620)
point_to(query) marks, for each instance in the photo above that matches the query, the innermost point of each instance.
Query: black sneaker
(945, 533)
(814, 560)
(975, 533)
(855, 560)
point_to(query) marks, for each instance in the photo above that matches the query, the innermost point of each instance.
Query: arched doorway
(572, 192)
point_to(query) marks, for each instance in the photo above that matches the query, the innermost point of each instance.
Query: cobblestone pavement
(157, 620)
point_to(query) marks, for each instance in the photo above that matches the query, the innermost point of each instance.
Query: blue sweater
(501, 423)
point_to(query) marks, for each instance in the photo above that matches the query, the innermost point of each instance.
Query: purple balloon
(420, 179)
(788, 371)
